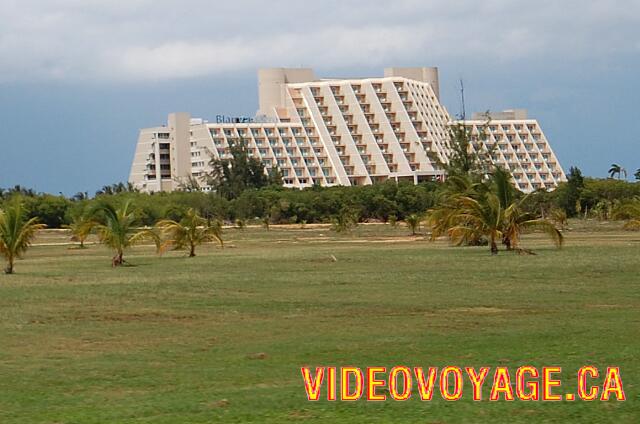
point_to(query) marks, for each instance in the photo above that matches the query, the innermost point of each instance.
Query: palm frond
(548, 228)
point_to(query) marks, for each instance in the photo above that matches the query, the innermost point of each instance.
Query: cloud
(157, 40)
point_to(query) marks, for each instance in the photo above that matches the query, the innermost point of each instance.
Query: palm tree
(81, 226)
(477, 217)
(617, 170)
(637, 174)
(413, 221)
(516, 221)
(116, 228)
(472, 212)
(442, 218)
(16, 233)
(487, 217)
(190, 232)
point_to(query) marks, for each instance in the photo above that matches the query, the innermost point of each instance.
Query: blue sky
(79, 78)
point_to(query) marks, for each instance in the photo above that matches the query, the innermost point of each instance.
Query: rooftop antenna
(464, 111)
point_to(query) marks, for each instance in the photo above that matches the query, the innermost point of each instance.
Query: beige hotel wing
(342, 132)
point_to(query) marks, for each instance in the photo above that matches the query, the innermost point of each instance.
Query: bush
(388, 201)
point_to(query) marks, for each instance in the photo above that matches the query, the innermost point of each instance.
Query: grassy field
(221, 337)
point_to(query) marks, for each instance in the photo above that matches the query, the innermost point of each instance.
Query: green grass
(179, 340)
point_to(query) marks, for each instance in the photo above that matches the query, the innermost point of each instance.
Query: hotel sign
(262, 119)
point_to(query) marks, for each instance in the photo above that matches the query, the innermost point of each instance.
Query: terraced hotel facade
(342, 132)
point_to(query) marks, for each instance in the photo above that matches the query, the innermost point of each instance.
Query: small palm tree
(516, 222)
(116, 228)
(190, 232)
(477, 217)
(472, 213)
(413, 222)
(487, 217)
(617, 170)
(16, 233)
(81, 226)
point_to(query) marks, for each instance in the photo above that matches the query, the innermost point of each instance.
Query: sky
(79, 78)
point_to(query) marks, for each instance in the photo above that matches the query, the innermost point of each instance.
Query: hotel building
(342, 132)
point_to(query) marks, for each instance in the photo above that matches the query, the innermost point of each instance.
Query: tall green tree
(229, 177)
(16, 233)
(569, 194)
(469, 155)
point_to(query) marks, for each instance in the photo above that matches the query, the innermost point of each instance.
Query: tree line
(476, 205)
(580, 197)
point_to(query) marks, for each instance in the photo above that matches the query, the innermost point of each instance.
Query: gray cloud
(158, 40)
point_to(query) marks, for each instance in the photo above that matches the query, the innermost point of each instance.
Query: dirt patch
(607, 306)
(301, 414)
(153, 316)
(482, 310)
